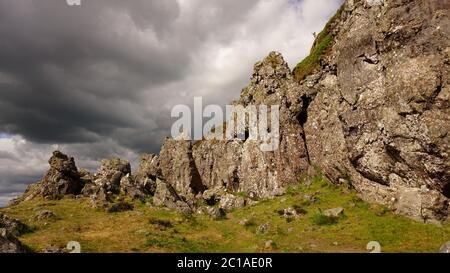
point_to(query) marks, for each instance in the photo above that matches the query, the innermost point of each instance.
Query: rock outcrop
(12, 226)
(370, 107)
(10, 244)
(149, 171)
(61, 179)
(165, 195)
(241, 165)
(9, 230)
(379, 110)
(113, 178)
(179, 168)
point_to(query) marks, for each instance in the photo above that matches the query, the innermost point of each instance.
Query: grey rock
(201, 210)
(149, 170)
(264, 228)
(61, 179)
(45, 215)
(113, 178)
(111, 173)
(445, 248)
(53, 249)
(129, 187)
(165, 195)
(179, 169)
(372, 3)
(421, 204)
(244, 222)
(379, 119)
(291, 212)
(12, 226)
(216, 213)
(99, 197)
(335, 213)
(310, 198)
(230, 202)
(269, 244)
(10, 244)
(240, 165)
(213, 196)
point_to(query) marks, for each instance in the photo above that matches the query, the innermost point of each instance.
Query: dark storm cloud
(73, 71)
(99, 80)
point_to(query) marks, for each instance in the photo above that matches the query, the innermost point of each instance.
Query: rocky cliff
(379, 112)
(369, 107)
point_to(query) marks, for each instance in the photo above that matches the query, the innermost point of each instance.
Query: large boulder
(379, 109)
(149, 166)
(167, 196)
(61, 179)
(111, 173)
(179, 168)
(130, 187)
(113, 178)
(422, 204)
(12, 226)
(10, 244)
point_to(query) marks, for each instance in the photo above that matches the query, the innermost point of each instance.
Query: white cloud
(127, 64)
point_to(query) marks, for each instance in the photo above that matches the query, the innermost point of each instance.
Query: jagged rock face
(10, 244)
(381, 118)
(130, 187)
(150, 166)
(113, 178)
(12, 226)
(422, 204)
(179, 168)
(376, 116)
(241, 165)
(149, 171)
(61, 179)
(111, 173)
(165, 195)
(218, 163)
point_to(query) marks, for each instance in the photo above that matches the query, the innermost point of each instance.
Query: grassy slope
(321, 47)
(147, 229)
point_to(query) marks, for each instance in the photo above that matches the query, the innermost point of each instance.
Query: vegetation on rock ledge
(321, 47)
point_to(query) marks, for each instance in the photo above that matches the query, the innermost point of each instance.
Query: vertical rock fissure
(197, 185)
(302, 118)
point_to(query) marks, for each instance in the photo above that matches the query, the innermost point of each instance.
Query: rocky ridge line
(374, 116)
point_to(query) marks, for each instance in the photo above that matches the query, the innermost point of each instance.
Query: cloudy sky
(100, 80)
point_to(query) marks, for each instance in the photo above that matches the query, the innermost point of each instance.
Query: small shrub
(299, 209)
(160, 223)
(381, 211)
(120, 207)
(291, 190)
(321, 47)
(157, 242)
(190, 219)
(146, 200)
(242, 194)
(322, 220)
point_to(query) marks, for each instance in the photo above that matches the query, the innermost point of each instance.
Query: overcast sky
(100, 80)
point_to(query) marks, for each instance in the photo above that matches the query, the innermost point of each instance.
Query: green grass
(320, 219)
(321, 47)
(242, 194)
(150, 229)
